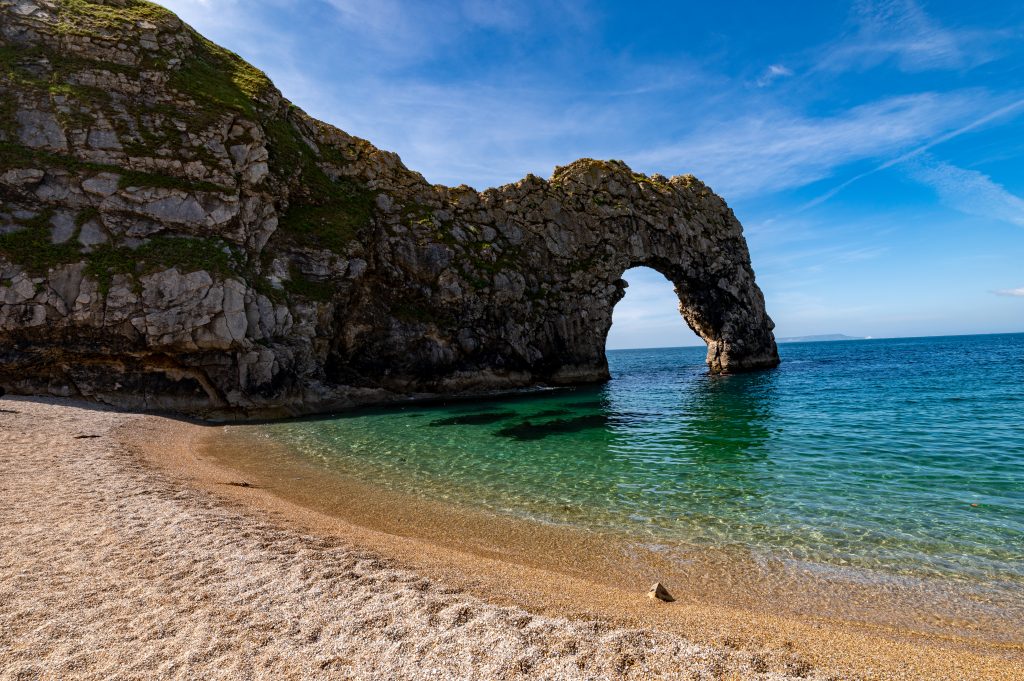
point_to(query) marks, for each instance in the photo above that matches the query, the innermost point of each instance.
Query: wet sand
(126, 551)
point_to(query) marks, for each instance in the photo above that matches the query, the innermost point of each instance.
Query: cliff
(174, 234)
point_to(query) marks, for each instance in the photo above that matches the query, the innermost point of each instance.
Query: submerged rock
(176, 235)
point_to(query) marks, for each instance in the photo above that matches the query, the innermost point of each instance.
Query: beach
(127, 552)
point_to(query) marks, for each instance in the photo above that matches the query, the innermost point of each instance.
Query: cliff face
(174, 234)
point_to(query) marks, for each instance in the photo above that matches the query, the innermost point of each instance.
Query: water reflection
(810, 461)
(696, 446)
(729, 417)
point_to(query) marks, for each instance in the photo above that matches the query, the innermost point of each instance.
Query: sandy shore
(124, 552)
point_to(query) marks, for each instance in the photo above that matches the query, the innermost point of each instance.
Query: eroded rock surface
(176, 235)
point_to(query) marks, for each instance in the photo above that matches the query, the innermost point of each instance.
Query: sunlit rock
(176, 235)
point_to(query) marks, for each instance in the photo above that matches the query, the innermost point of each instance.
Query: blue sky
(872, 150)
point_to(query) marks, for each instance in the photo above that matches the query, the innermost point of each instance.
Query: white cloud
(519, 120)
(780, 149)
(1002, 112)
(969, 191)
(397, 28)
(477, 133)
(902, 32)
(1014, 292)
(773, 73)
(396, 32)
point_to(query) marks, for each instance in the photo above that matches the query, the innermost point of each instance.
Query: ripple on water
(902, 456)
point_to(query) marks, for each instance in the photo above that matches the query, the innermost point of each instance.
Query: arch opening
(647, 316)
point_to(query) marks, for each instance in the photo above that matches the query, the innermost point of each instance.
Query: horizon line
(851, 339)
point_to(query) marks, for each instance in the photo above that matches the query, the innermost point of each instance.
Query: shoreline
(157, 466)
(736, 580)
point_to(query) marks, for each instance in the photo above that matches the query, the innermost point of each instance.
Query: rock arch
(269, 264)
(680, 228)
(718, 300)
(721, 318)
(539, 310)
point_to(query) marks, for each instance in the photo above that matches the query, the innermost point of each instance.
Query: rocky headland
(176, 235)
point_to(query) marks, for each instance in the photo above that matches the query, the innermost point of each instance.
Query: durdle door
(176, 235)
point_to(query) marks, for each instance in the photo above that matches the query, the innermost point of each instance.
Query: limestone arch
(737, 332)
(611, 219)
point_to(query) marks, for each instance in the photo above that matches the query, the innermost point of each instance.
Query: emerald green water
(904, 457)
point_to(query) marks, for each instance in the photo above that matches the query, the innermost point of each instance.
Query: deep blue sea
(904, 456)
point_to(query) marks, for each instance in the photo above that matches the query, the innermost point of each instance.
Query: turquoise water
(904, 456)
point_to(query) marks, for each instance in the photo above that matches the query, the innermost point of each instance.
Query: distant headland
(821, 337)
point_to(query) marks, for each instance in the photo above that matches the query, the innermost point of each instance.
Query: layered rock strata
(174, 234)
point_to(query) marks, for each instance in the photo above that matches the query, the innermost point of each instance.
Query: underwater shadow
(533, 430)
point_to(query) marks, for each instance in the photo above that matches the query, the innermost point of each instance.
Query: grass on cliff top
(212, 75)
(102, 18)
(210, 72)
(322, 213)
(219, 79)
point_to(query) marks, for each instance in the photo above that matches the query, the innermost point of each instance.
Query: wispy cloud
(969, 191)
(384, 33)
(1013, 292)
(1006, 111)
(813, 254)
(496, 127)
(397, 28)
(397, 31)
(780, 149)
(497, 14)
(901, 32)
(478, 133)
(773, 73)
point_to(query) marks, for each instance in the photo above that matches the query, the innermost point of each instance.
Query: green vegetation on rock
(217, 79)
(17, 156)
(31, 247)
(85, 215)
(188, 254)
(322, 213)
(301, 285)
(332, 224)
(84, 17)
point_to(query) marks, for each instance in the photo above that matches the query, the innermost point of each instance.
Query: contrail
(914, 152)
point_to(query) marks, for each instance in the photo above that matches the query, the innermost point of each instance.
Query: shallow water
(905, 457)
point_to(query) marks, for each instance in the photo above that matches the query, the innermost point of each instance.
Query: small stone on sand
(659, 592)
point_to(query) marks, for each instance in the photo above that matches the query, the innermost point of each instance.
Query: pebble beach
(114, 566)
